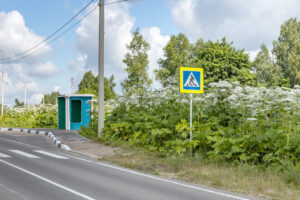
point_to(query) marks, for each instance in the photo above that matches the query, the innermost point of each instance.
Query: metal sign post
(191, 121)
(191, 81)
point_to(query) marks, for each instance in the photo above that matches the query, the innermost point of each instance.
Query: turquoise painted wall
(85, 112)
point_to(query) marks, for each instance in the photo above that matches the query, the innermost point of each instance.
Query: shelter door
(61, 113)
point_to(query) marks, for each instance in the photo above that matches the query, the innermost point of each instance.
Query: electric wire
(48, 43)
(110, 3)
(21, 55)
(46, 39)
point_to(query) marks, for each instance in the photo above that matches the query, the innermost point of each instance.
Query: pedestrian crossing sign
(191, 80)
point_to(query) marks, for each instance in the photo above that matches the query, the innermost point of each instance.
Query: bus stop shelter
(74, 110)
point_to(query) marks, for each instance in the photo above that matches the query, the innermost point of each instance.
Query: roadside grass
(241, 178)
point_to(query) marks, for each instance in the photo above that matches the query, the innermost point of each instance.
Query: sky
(24, 24)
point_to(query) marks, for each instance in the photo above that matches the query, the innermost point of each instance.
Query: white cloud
(252, 54)
(36, 98)
(56, 88)
(185, 17)
(247, 23)
(44, 70)
(118, 32)
(118, 26)
(157, 43)
(15, 38)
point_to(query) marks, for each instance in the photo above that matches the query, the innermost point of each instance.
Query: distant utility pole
(25, 94)
(101, 69)
(2, 93)
(43, 97)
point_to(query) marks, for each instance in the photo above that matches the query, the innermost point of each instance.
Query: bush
(230, 122)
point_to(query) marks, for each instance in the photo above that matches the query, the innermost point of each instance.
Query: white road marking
(50, 154)
(24, 154)
(145, 175)
(48, 181)
(4, 155)
(162, 179)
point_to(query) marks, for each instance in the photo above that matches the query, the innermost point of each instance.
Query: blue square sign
(191, 80)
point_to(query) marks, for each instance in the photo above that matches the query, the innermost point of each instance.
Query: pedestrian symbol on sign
(191, 81)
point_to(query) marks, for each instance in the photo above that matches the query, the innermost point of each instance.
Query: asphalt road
(42, 172)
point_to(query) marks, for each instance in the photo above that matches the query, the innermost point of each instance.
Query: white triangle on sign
(191, 81)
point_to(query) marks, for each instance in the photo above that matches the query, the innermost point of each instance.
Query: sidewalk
(82, 145)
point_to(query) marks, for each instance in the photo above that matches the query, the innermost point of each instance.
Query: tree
(18, 103)
(287, 50)
(109, 85)
(222, 61)
(177, 53)
(89, 85)
(51, 98)
(267, 72)
(137, 64)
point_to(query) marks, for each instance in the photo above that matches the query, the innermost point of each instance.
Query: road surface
(43, 172)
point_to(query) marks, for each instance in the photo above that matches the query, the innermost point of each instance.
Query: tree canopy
(220, 61)
(287, 50)
(51, 98)
(137, 62)
(18, 103)
(177, 53)
(89, 85)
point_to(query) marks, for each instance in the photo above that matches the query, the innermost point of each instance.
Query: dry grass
(246, 179)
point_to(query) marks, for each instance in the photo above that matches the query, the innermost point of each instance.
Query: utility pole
(101, 69)
(25, 94)
(2, 89)
(2, 93)
(43, 97)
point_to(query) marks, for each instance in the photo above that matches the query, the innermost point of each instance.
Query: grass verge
(241, 178)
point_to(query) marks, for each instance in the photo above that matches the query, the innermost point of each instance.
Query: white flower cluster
(253, 101)
(36, 109)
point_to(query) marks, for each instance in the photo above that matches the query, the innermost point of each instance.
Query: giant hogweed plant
(33, 116)
(230, 121)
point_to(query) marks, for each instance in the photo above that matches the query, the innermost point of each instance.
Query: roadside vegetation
(246, 124)
(34, 116)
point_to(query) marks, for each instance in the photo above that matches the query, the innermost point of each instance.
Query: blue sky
(23, 24)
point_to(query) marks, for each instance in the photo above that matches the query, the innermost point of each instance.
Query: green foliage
(109, 85)
(137, 64)
(222, 61)
(35, 116)
(46, 119)
(51, 98)
(287, 50)
(89, 85)
(267, 72)
(177, 53)
(232, 123)
(18, 103)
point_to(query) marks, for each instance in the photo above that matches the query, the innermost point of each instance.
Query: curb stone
(38, 132)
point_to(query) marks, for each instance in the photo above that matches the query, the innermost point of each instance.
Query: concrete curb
(38, 132)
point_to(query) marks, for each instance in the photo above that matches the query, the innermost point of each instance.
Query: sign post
(191, 81)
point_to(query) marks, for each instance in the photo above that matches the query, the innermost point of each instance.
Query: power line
(50, 36)
(110, 3)
(47, 44)
(23, 54)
